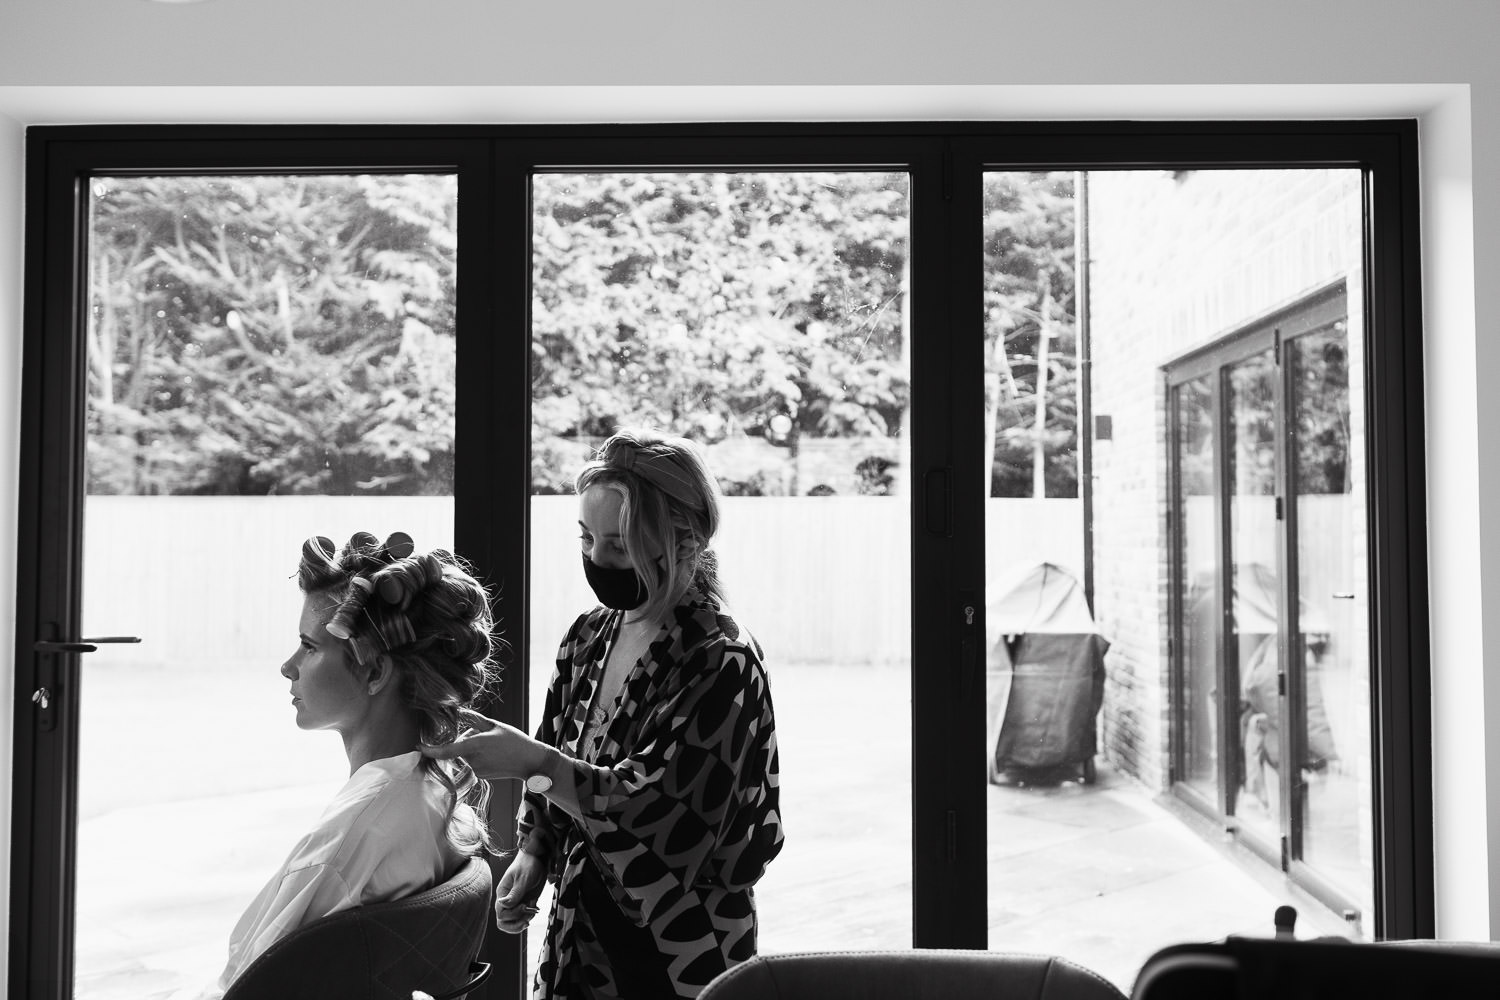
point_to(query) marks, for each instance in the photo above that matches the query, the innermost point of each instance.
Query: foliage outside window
(295, 335)
(256, 335)
(1031, 344)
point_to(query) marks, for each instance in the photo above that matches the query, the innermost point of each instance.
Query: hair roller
(432, 569)
(395, 585)
(397, 630)
(318, 549)
(362, 542)
(398, 546)
(400, 582)
(364, 649)
(342, 623)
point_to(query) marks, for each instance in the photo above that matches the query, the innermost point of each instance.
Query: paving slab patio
(1103, 874)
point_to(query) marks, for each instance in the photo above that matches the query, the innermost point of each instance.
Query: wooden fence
(818, 579)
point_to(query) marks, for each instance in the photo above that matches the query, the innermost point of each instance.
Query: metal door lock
(42, 697)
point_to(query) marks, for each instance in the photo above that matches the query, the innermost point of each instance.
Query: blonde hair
(669, 513)
(428, 614)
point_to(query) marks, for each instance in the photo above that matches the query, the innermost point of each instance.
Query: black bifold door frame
(494, 165)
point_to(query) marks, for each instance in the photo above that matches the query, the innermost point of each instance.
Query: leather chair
(915, 974)
(1320, 969)
(384, 951)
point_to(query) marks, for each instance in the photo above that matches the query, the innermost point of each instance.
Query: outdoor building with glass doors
(898, 346)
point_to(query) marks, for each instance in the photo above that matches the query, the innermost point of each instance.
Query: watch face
(538, 783)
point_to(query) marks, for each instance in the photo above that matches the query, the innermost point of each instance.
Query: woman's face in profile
(325, 691)
(599, 528)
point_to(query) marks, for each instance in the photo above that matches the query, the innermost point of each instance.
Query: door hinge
(1278, 509)
(1286, 854)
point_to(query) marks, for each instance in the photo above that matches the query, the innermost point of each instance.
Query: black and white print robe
(680, 803)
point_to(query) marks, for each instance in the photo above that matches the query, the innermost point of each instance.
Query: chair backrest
(1319, 969)
(914, 974)
(383, 951)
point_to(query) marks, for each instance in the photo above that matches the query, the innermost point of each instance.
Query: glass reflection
(1198, 572)
(1254, 616)
(1334, 780)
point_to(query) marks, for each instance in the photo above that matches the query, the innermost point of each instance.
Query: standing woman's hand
(517, 892)
(493, 750)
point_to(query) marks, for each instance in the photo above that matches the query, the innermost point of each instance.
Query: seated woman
(391, 646)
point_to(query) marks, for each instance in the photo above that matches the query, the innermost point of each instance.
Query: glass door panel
(1333, 795)
(1252, 665)
(268, 358)
(1136, 561)
(1199, 589)
(764, 316)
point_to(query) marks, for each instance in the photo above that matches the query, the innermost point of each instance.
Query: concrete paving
(181, 826)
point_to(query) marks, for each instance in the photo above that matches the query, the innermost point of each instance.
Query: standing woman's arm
(537, 831)
(698, 798)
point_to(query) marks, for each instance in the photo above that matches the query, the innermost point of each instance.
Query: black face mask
(620, 589)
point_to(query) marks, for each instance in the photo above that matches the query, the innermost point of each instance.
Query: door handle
(938, 501)
(87, 645)
(47, 687)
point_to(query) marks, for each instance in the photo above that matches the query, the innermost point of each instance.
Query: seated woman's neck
(389, 729)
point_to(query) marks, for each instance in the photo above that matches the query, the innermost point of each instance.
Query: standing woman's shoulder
(711, 631)
(585, 628)
(736, 633)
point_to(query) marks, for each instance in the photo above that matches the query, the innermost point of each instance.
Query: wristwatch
(538, 783)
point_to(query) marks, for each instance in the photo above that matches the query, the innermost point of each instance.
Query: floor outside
(1101, 874)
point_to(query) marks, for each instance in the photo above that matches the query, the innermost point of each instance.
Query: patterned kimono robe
(680, 803)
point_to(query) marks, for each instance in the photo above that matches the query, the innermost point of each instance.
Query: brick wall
(1180, 261)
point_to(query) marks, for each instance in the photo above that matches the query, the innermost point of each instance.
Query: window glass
(764, 316)
(1157, 677)
(268, 358)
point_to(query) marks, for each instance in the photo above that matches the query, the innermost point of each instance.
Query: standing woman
(652, 780)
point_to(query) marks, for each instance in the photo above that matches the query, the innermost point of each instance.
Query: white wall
(476, 60)
(10, 407)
